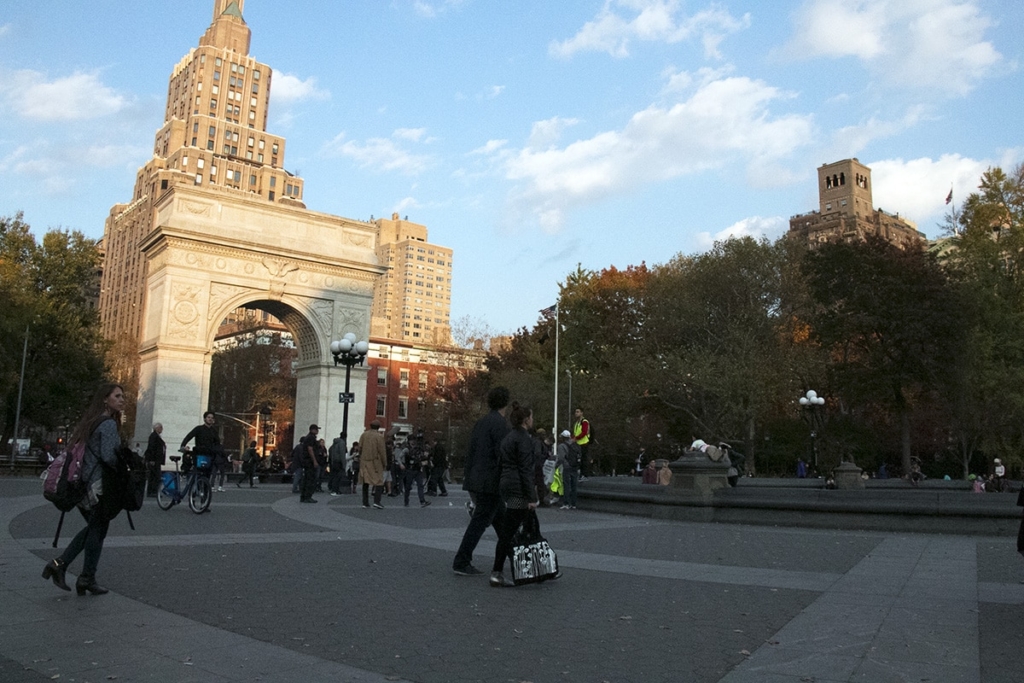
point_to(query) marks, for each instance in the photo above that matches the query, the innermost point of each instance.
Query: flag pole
(554, 422)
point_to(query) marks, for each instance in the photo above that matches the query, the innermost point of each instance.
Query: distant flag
(949, 197)
(550, 310)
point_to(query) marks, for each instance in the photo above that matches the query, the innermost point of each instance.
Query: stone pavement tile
(880, 671)
(848, 631)
(815, 666)
(162, 670)
(941, 625)
(919, 648)
(1001, 643)
(1005, 593)
(19, 610)
(15, 672)
(881, 586)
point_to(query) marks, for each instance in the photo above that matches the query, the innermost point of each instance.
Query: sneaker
(573, 507)
(333, 494)
(221, 489)
(468, 570)
(444, 495)
(378, 506)
(311, 500)
(306, 500)
(366, 507)
(424, 503)
(238, 483)
(564, 507)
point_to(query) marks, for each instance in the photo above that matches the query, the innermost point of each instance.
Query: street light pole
(348, 352)
(811, 401)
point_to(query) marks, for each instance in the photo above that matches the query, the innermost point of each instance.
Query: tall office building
(412, 301)
(215, 136)
(846, 212)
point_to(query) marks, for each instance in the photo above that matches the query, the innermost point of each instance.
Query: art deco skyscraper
(214, 135)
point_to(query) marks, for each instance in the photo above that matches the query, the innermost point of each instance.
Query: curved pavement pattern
(366, 595)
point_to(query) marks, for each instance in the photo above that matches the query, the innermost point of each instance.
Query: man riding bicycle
(207, 443)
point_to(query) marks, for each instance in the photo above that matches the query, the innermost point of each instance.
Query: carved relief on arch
(351, 320)
(220, 294)
(183, 322)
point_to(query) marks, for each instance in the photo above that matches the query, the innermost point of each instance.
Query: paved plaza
(265, 589)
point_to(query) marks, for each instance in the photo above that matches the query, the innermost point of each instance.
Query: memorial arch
(211, 252)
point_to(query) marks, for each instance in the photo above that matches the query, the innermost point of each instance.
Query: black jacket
(156, 450)
(517, 457)
(483, 467)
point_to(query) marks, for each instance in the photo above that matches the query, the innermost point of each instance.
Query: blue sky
(531, 136)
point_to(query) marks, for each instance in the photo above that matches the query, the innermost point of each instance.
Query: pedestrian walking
(482, 472)
(98, 431)
(517, 486)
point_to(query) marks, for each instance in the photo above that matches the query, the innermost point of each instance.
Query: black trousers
(503, 551)
(489, 511)
(308, 485)
(376, 495)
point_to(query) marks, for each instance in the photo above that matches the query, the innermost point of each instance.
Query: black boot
(88, 583)
(54, 570)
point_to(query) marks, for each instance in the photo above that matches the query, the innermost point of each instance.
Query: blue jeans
(410, 476)
(489, 511)
(89, 539)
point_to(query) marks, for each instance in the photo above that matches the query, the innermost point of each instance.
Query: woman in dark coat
(516, 485)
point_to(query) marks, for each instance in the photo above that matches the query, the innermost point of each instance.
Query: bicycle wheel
(200, 495)
(164, 498)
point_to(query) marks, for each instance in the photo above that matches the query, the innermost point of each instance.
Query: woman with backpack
(98, 431)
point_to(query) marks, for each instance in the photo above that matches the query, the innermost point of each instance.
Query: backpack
(62, 481)
(298, 456)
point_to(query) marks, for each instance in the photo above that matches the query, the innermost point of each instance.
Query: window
(423, 380)
(382, 405)
(382, 378)
(403, 408)
(403, 379)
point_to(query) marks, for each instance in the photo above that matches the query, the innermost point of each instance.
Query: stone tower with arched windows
(846, 210)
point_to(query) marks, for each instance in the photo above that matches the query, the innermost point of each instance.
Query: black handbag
(533, 560)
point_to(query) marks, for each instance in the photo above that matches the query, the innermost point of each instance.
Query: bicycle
(197, 486)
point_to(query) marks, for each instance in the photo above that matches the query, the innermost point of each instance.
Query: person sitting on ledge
(650, 473)
(664, 474)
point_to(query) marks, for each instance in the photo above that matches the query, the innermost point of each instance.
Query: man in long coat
(373, 460)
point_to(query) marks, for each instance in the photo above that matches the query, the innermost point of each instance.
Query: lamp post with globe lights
(811, 402)
(348, 352)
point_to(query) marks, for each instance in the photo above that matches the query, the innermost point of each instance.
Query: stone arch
(211, 253)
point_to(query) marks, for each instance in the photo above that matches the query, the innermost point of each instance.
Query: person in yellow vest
(581, 436)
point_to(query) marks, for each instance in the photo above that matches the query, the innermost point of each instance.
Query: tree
(47, 289)
(889, 320)
(985, 258)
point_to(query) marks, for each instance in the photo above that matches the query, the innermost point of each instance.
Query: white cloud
(381, 154)
(287, 89)
(493, 92)
(406, 204)
(724, 121)
(926, 44)
(545, 134)
(76, 97)
(433, 9)
(4, 30)
(490, 147)
(848, 141)
(620, 22)
(411, 134)
(754, 226)
(917, 188)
